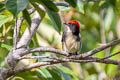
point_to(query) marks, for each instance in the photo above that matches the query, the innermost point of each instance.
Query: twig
(35, 65)
(92, 52)
(67, 59)
(106, 61)
(19, 23)
(15, 35)
(26, 37)
(33, 57)
(43, 49)
(111, 55)
(62, 60)
(17, 27)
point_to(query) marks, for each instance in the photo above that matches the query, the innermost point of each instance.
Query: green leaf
(27, 75)
(15, 6)
(80, 6)
(47, 74)
(55, 73)
(118, 7)
(40, 74)
(55, 18)
(27, 17)
(72, 2)
(112, 2)
(3, 19)
(111, 69)
(105, 5)
(50, 5)
(2, 5)
(3, 53)
(39, 10)
(67, 71)
(8, 47)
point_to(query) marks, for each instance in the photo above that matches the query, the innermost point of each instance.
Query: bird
(71, 37)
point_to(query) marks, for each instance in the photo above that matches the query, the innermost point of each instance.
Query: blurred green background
(99, 22)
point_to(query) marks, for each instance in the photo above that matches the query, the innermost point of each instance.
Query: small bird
(71, 38)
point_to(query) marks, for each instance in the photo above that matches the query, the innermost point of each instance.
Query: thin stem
(111, 55)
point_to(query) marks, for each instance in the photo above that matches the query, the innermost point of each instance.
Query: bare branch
(17, 27)
(88, 59)
(43, 49)
(3, 73)
(15, 35)
(111, 55)
(92, 52)
(33, 57)
(67, 59)
(26, 37)
(13, 55)
(35, 65)
(82, 55)
(106, 61)
(62, 60)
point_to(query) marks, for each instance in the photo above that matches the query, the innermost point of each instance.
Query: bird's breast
(72, 44)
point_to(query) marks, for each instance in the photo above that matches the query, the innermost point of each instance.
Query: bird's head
(73, 26)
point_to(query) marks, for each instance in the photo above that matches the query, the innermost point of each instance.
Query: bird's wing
(80, 44)
(63, 41)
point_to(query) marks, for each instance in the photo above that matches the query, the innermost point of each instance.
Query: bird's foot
(76, 53)
(72, 54)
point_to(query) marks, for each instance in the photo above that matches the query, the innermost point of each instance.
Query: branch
(15, 37)
(33, 57)
(35, 65)
(13, 55)
(3, 73)
(62, 60)
(106, 61)
(92, 52)
(43, 49)
(82, 55)
(26, 37)
(67, 59)
(18, 24)
(111, 55)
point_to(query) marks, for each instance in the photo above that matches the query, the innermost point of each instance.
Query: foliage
(90, 18)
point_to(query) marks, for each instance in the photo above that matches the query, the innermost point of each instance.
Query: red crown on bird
(75, 22)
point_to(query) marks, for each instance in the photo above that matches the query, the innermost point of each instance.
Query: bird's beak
(65, 23)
